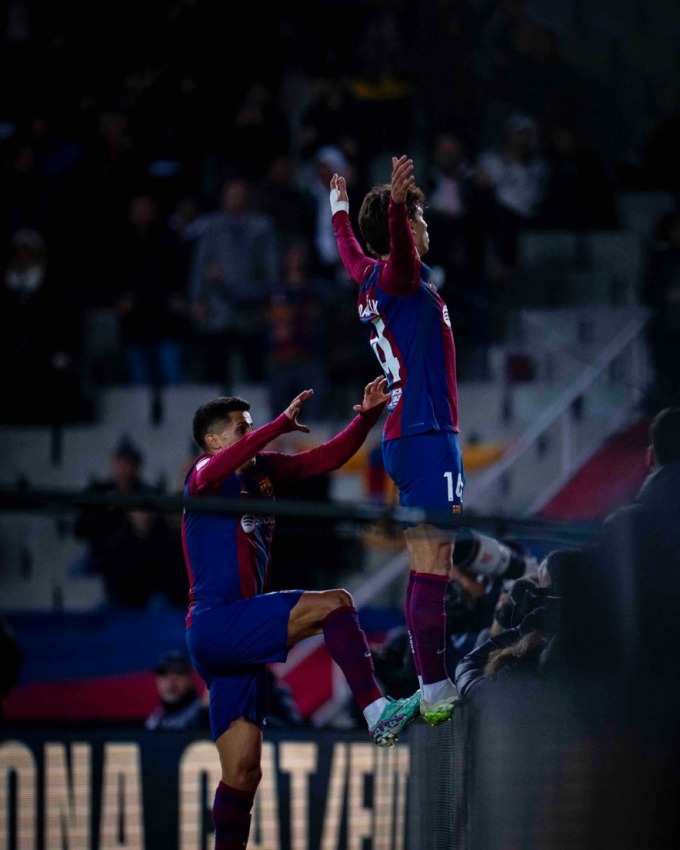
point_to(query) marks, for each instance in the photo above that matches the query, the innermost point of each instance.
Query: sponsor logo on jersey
(395, 395)
(249, 522)
(369, 309)
(456, 509)
(445, 314)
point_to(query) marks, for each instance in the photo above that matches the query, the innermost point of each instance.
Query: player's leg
(240, 752)
(332, 613)
(430, 554)
(431, 478)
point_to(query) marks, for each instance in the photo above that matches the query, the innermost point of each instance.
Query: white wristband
(337, 205)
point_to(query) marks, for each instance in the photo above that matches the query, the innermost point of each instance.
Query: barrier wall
(124, 789)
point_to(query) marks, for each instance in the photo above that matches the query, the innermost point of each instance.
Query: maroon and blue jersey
(228, 556)
(410, 329)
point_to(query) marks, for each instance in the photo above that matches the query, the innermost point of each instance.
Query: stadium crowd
(134, 192)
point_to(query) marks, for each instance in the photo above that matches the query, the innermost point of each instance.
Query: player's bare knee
(337, 598)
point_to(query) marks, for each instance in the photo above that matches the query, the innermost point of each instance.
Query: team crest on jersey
(266, 488)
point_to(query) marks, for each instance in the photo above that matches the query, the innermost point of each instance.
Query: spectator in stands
(325, 161)
(296, 331)
(330, 117)
(96, 524)
(579, 192)
(181, 704)
(280, 195)
(142, 564)
(660, 291)
(235, 264)
(40, 335)
(457, 247)
(146, 273)
(634, 559)
(511, 177)
(259, 131)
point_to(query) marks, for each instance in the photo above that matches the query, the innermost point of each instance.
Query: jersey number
(383, 351)
(449, 486)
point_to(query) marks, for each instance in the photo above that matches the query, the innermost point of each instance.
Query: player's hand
(339, 198)
(374, 394)
(402, 178)
(293, 410)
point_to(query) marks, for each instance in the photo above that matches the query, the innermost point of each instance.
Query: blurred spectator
(112, 171)
(507, 189)
(523, 67)
(11, 662)
(325, 162)
(634, 579)
(382, 83)
(40, 336)
(34, 180)
(181, 705)
(97, 525)
(235, 264)
(281, 195)
(151, 304)
(579, 193)
(258, 132)
(330, 117)
(457, 247)
(142, 564)
(296, 332)
(660, 291)
(449, 94)
(513, 175)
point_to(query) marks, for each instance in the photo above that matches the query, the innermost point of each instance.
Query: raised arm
(338, 450)
(358, 265)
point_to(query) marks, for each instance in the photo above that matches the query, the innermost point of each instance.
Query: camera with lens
(486, 556)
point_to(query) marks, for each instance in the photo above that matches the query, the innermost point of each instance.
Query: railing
(570, 429)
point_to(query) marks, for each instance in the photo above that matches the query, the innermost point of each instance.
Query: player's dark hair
(373, 218)
(214, 413)
(664, 433)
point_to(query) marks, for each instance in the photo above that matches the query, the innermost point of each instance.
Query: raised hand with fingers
(374, 394)
(339, 198)
(293, 409)
(402, 177)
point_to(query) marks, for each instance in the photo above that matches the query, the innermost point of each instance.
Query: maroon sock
(428, 626)
(349, 649)
(407, 615)
(231, 817)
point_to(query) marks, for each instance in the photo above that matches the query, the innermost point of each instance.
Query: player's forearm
(353, 258)
(335, 453)
(401, 273)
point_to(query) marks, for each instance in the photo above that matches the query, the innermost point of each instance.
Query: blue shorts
(427, 469)
(230, 645)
